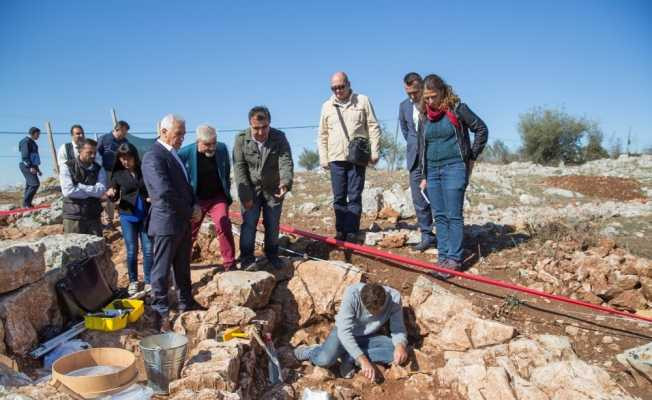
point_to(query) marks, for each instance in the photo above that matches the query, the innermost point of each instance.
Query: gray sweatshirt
(353, 319)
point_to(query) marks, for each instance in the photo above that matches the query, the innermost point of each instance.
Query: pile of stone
(604, 274)
(398, 199)
(29, 271)
(47, 216)
(460, 355)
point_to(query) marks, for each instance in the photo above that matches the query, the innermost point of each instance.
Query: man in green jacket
(262, 161)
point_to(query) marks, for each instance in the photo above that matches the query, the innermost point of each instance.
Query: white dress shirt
(176, 157)
(81, 191)
(62, 155)
(415, 116)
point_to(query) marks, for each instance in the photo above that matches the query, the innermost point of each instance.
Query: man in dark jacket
(83, 185)
(107, 146)
(408, 116)
(207, 162)
(168, 221)
(29, 165)
(264, 171)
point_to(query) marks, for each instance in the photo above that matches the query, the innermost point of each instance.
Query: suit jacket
(410, 134)
(172, 197)
(188, 155)
(262, 171)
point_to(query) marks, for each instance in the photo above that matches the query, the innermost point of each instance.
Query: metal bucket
(164, 356)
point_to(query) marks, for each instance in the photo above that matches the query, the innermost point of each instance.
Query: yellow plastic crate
(137, 305)
(106, 324)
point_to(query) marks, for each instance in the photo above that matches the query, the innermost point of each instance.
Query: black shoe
(340, 236)
(355, 237)
(275, 262)
(248, 264)
(426, 243)
(192, 306)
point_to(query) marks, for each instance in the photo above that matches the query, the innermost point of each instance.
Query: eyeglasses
(338, 87)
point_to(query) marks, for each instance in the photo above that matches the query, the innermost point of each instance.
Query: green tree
(551, 136)
(498, 152)
(309, 159)
(392, 151)
(593, 149)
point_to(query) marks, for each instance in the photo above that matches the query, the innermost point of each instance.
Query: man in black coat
(168, 221)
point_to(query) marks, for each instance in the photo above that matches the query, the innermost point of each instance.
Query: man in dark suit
(408, 116)
(169, 217)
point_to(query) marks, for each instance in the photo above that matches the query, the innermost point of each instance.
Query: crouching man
(365, 309)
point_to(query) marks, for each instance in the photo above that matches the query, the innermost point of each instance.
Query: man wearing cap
(29, 164)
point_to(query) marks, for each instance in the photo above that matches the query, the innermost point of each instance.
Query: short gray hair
(206, 133)
(168, 121)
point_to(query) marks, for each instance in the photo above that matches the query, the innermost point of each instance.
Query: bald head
(341, 86)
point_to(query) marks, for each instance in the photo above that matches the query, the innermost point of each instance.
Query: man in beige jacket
(347, 179)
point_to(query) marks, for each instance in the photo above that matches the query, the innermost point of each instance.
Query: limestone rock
(41, 391)
(211, 365)
(575, 379)
(434, 306)
(400, 200)
(393, 241)
(11, 378)
(631, 300)
(237, 316)
(20, 264)
(28, 310)
(238, 288)
(315, 290)
(205, 394)
(646, 288)
(488, 333)
(372, 199)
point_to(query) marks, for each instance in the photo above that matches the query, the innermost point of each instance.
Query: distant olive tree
(593, 149)
(498, 152)
(309, 159)
(616, 147)
(550, 136)
(392, 151)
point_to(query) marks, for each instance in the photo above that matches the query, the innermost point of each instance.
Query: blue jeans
(446, 186)
(347, 181)
(377, 348)
(31, 185)
(131, 231)
(271, 221)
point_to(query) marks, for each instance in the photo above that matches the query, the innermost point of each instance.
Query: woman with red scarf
(446, 160)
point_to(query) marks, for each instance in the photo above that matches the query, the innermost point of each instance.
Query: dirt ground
(603, 187)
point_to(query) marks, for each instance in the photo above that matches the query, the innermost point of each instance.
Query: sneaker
(132, 289)
(347, 368)
(340, 236)
(302, 353)
(426, 243)
(442, 275)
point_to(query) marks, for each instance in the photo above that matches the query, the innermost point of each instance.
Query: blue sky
(70, 62)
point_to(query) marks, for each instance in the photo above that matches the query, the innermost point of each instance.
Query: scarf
(436, 115)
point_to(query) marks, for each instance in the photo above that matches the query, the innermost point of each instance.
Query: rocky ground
(576, 231)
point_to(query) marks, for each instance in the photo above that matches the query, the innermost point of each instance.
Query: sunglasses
(339, 87)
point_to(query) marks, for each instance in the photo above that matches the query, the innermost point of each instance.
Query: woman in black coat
(127, 187)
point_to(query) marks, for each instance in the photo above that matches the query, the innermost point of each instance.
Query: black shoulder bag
(359, 148)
